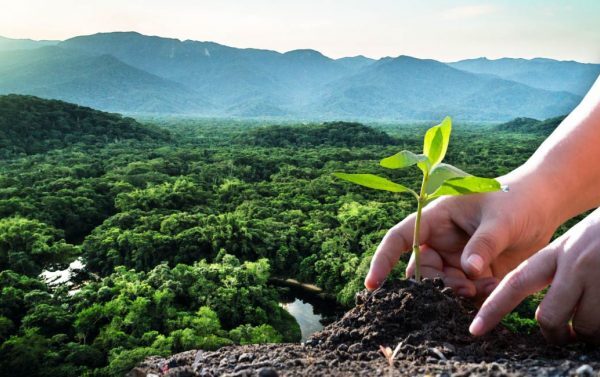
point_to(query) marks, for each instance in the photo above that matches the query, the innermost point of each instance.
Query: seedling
(439, 179)
(389, 354)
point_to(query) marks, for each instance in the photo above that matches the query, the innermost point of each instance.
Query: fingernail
(476, 327)
(464, 292)
(476, 262)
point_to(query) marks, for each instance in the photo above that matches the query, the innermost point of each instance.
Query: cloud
(469, 11)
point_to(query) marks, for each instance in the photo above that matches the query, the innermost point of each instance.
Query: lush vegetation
(180, 230)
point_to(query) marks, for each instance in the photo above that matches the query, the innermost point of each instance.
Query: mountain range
(133, 73)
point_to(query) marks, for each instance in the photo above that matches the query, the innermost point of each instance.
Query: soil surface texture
(425, 322)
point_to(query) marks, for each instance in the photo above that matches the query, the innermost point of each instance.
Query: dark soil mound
(427, 324)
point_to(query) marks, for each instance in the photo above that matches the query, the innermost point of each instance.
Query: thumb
(489, 240)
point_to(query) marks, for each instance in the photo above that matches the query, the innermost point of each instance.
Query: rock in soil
(425, 324)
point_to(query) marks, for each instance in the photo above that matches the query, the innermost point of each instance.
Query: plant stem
(416, 242)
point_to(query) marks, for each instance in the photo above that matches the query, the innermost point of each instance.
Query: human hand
(471, 241)
(571, 264)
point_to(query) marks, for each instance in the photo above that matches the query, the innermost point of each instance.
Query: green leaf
(440, 174)
(402, 160)
(373, 181)
(436, 141)
(467, 185)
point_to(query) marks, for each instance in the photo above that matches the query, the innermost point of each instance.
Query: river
(311, 309)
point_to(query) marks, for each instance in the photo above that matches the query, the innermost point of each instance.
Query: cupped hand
(571, 307)
(470, 241)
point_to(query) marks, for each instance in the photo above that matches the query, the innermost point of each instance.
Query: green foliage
(515, 323)
(247, 334)
(112, 324)
(31, 125)
(436, 141)
(531, 126)
(372, 181)
(339, 134)
(29, 246)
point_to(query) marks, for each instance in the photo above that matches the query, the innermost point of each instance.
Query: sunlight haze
(443, 30)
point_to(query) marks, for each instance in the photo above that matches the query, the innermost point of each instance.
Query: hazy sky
(444, 30)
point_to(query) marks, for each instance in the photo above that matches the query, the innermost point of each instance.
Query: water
(304, 313)
(62, 276)
(310, 309)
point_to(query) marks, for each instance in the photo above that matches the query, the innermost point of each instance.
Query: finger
(432, 266)
(459, 282)
(484, 287)
(556, 309)
(398, 240)
(530, 276)
(586, 322)
(461, 285)
(454, 272)
(488, 241)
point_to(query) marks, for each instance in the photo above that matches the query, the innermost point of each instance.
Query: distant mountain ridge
(134, 73)
(7, 44)
(99, 81)
(570, 76)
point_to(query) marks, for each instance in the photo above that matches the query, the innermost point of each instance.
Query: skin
(494, 247)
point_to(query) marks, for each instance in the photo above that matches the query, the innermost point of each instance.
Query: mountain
(100, 81)
(23, 44)
(410, 88)
(34, 125)
(569, 76)
(234, 77)
(134, 73)
(531, 126)
(355, 63)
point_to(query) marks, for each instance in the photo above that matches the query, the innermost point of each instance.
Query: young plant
(390, 355)
(439, 179)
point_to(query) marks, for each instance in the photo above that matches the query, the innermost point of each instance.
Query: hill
(33, 125)
(99, 81)
(410, 88)
(548, 74)
(339, 134)
(533, 126)
(22, 44)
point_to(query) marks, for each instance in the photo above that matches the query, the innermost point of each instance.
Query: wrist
(540, 192)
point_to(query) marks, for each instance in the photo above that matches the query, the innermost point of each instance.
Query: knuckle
(486, 244)
(588, 260)
(382, 259)
(515, 280)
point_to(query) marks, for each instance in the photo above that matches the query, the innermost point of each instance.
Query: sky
(445, 30)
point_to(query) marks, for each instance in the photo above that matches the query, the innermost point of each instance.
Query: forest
(180, 224)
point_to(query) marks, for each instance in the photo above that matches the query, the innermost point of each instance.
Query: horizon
(437, 30)
(308, 48)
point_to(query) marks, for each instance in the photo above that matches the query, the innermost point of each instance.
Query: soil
(426, 321)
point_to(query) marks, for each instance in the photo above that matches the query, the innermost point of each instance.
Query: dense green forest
(181, 223)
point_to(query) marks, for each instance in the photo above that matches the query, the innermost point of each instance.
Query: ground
(427, 323)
